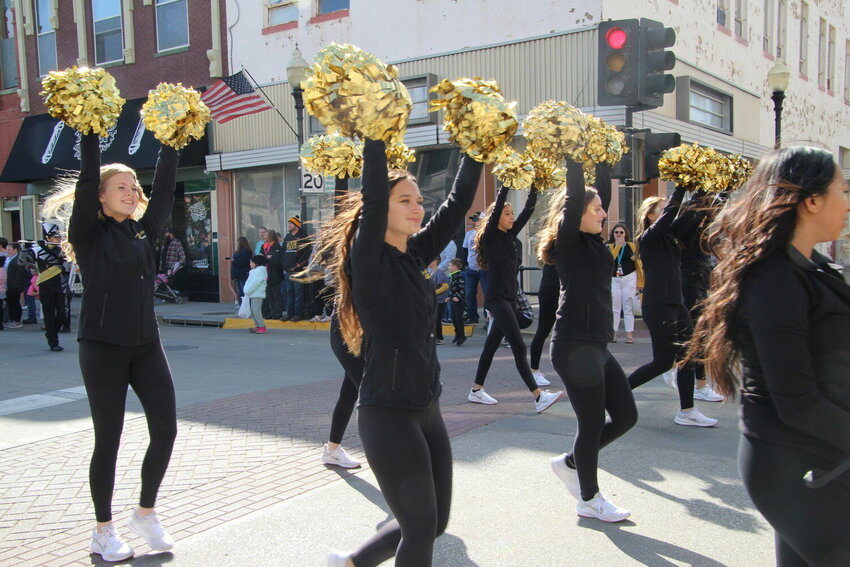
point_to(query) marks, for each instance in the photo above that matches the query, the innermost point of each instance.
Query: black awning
(46, 148)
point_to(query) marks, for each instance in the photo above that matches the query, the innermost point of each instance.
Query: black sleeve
(366, 250)
(692, 215)
(661, 227)
(84, 215)
(162, 192)
(526, 213)
(493, 221)
(568, 231)
(603, 184)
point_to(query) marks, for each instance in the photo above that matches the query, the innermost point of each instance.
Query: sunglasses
(619, 232)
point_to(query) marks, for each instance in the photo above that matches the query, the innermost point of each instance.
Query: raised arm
(574, 203)
(430, 241)
(603, 184)
(84, 215)
(373, 216)
(692, 215)
(526, 213)
(661, 227)
(162, 192)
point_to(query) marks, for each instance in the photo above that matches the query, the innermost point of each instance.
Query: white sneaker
(707, 394)
(670, 378)
(339, 457)
(567, 475)
(601, 509)
(338, 559)
(695, 418)
(540, 378)
(108, 545)
(149, 528)
(546, 399)
(481, 397)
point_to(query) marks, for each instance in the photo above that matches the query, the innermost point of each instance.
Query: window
(741, 19)
(314, 127)
(843, 157)
(804, 38)
(172, 24)
(767, 36)
(328, 6)
(108, 41)
(46, 38)
(281, 12)
(700, 104)
(419, 89)
(722, 11)
(8, 54)
(822, 53)
(781, 31)
(830, 60)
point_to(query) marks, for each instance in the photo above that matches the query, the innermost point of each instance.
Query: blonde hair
(646, 207)
(60, 203)
(552, 221)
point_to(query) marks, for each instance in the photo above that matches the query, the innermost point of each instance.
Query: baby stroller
(164, 291)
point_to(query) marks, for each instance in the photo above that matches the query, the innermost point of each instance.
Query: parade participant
(387, 309)
(333, 452)
(595, 382)
(626, 279)
(112, 235)
(775, 329)
(497, 254)
(49, 261)
(547, 306)
(664, 311)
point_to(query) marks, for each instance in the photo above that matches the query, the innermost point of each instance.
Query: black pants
(350, 387)
(670, 327)
(457, 319)
(441, 310)
(273, 307)
(410, 454)
(693, 295)
(13, 302)
(548, 298)
(107, 371)
(53, 311)
(504, 325)
(595, 383)
(812, 525)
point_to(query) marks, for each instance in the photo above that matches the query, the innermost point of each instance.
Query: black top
(661, 254)
(395, 303)
(499, 248)
(18, 275)
(549, 277)
(584, 265)
(116, 259)
(626, 260)
(457, 287)
(697, 262)
(274, 266)
(791, 328)
(297, 251)
(240, 264)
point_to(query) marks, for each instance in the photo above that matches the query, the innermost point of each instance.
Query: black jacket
(274, 266)
(240, 264)
(395, 303)
(18, 275)
(500, 249)
(584, 265)
(117, 259)
(791, 327)
(661, 253)
(297, 251)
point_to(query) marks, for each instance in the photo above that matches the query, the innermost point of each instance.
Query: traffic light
(654, 60)
(653, 146)
(617, 63)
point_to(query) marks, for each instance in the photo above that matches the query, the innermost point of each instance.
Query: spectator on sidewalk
(440, 282)
(17, 282)
(240, 266)
(258, 248)
(473, 275)
(456, 297)
(273, 304)
(297, 251)
(255, 290)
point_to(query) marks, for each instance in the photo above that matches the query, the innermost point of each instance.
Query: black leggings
(107, 371)
(811, 525)
(548, 298)
(670, 327)
(53, 310)
(350, 388)
(504, 324)
(595, 383)
(410, 454)
(693, 295)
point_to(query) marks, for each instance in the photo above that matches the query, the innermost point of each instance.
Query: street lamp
(777, 80)
(296, 71)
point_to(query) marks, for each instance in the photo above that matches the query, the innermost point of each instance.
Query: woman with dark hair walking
(387, 309)
(659, 240)
(626, 279)
(595, 382)
(775, 329)
(497, 253)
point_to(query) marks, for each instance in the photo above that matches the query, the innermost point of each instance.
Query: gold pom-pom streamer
(332, 155)
(175, 114)
(556, 129)
(355, 93)
(476, 116)
(85, 99)
(696, 168)
(547, 173)
(514, 169)
(741, 170)
(399, 156)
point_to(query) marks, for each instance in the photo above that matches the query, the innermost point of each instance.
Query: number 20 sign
(312, 182)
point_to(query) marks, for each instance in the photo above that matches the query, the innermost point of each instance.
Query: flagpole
(270, 102)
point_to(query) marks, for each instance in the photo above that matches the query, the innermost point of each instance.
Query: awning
(46, 148)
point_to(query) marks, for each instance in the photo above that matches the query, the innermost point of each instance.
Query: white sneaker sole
(477, 401)
(705, 399)
(343, 465)
(542, 382)
(608, 519)
(111, 558)
(141, 533)
(686, 423)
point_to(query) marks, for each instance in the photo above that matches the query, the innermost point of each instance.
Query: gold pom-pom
(332, 155)
(696, 168)
(514, 169)
(547, 173)
(741, 170)
(85, 99)
(175, 114)
(556, 129)
(355, 93)
(476, 116)
(399, 156)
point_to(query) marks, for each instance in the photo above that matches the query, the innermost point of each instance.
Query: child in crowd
(441, 288)
(255, 290)
(457, 296)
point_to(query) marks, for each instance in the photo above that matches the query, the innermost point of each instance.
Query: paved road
(246, 488)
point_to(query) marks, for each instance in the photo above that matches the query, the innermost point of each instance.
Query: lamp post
(777, 80)
(296, 71)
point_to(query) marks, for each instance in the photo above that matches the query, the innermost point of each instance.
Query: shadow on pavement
(151, 560)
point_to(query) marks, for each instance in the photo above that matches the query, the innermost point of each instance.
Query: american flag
(232, 97)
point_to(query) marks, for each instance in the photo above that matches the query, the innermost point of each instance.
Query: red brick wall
(11, 118)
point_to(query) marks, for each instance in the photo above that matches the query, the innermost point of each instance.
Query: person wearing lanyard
(626, 279)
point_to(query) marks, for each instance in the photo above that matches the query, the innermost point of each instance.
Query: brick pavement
(232, 456)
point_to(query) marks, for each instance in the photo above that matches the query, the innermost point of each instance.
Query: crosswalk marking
(38, 401)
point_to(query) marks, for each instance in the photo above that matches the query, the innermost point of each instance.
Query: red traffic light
(616, 38)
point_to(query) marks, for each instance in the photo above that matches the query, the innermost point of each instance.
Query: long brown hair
(480, 225)
(552, 220)
(756, 225)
